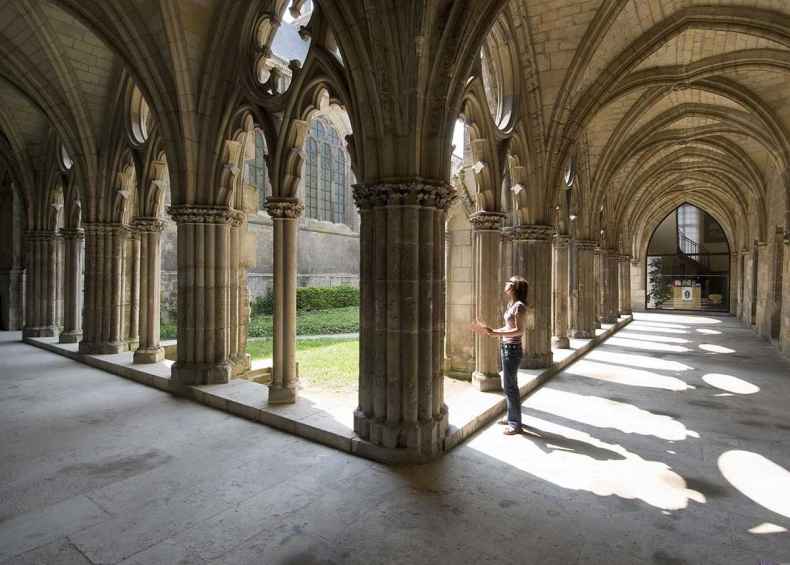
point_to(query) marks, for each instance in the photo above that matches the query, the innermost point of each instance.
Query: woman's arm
(510, 332)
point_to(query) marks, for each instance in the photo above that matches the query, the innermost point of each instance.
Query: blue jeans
(511, 359)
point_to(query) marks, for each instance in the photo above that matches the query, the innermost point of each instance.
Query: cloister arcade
(585, 123)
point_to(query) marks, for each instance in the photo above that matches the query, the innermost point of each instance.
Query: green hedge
(312, 298)
(334, 321)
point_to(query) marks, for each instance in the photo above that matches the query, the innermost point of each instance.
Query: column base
(400, 442)
(194, 374)
(241, 364)
(561, 343)
(608, 319)
(40, 331)
(154, 355)
(597, 324)
(110, 348)
(627, 313)
(70, 337)
(486, 382)
(582, 334)
(280, 395)
(537, 360)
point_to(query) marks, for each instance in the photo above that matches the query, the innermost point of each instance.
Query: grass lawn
(324, 363)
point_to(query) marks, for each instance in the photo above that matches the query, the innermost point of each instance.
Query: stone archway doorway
(688, 263)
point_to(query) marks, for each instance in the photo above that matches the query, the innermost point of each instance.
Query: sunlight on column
(767, 528)
(758, 478)
(577, 461)
(730, 383)
(712, 348)
(626, 375)
(634, 360)
(645, 345)
(627, 333)
(707, 331)
(604, 413)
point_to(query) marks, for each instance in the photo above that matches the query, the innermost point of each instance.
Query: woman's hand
(489, 331)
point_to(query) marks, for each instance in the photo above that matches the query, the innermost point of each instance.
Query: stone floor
(664, 445)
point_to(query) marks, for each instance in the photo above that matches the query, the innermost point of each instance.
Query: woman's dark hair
(520, 288)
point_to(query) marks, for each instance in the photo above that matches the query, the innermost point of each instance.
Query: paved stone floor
(666, 445)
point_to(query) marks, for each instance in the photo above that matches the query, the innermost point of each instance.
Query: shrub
(326, 298)
(311, 298)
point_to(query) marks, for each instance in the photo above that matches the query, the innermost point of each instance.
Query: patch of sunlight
(645, 345)
(638, 327)
(627, 333)
(712, 348)
(604, 413)
(626, 376)
(634, 360)
(758, 478)
(575, 460)
(767, 528)
(677, 319)
(730, 383)
(706, 331)
(657, 324)
(724, 394)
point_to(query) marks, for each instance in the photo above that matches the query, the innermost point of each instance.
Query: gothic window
(257, 169)
(325, 174)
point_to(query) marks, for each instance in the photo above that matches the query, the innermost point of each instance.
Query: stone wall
(328, 255)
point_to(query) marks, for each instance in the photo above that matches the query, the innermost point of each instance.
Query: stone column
(599, 285)
(488, 296)
(402, 323)
(285, 214)
(532, 260)
(624, 267)
(561, 270)
(72, 291)
(150, 233)
(611, 275)
(240, 300)
(40, 308)
(583, 322)
(203, 355)
(133, 276)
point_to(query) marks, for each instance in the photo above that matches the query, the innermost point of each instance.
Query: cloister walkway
(665, 445)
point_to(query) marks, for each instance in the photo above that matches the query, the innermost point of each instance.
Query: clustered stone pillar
(105, 258)
(611, 275)
(150, 232)
(598, 275)
(583, 316)
(486, 229)
(532, 259)
(285, 214)
(624, 267)
(72, 287)
(203, 352)
(402, 322)
(239, 296)
(40, 307)
(561, 268)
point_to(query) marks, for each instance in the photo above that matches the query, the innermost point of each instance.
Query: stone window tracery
(257, 170)
(140, 116)
(326, 179)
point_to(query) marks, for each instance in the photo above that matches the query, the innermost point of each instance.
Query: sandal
(511, 431)
(503, 422)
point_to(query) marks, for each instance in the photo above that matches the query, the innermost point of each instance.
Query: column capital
(40, 235)
(147, 225)
(415, 193)
(587, 244)
(99, 228)
(507, 233)
(623, 258)
(72, 234)
(561, 241)
(284, 208)
(202, 214)
(486, 221)
(533, 232)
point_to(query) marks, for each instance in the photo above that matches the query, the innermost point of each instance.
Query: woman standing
(511, 348)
